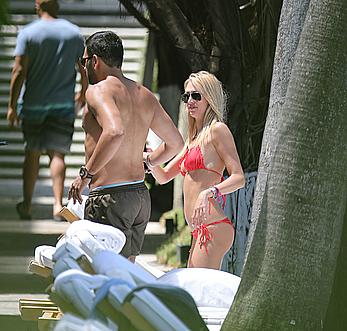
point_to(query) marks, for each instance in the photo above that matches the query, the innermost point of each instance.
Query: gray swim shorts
(48, 130)
(126, 207)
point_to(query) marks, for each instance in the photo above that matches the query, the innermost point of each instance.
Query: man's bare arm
(165, 129)
(18, 77)
(106, 112)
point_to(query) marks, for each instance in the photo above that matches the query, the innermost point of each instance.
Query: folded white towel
(86, 242)
(77, 287)
(44, 255)
(107, 236)
(208, 287)
(69, 248)
(63, 264)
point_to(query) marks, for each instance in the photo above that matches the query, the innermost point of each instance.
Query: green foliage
(176, 214)
(166, 253)
(155, 87)
(3, 12)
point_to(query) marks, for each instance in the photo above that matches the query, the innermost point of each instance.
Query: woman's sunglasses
(195, 96)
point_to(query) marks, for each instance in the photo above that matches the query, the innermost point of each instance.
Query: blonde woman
(209, 150)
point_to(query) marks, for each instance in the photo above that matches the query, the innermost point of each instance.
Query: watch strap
(84, 173)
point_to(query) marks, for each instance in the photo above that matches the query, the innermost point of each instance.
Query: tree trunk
(291, 24)
(290, 269)
(336, 318)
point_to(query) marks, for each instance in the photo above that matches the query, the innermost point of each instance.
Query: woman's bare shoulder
(219, 129)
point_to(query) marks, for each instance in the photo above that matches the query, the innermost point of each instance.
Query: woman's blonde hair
(212, 90)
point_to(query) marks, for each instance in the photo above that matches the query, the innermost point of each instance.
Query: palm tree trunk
(291, 24)
(336, 318)
(290, 269)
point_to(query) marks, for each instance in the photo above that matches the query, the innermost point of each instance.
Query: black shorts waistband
(116, 189)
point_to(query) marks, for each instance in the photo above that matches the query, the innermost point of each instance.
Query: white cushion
(208, 287)
(78, 288)
(114, 265)
(71, 322)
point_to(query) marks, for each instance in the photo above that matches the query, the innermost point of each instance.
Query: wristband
(214, 191)
(84, 173)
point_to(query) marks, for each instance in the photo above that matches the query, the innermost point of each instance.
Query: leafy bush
(166, 253)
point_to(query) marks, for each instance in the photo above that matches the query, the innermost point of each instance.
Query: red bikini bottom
(205, 234)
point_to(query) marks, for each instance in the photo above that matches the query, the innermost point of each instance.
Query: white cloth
(44, 255)
(77, 208)
(69, 248)
(208, 287)
(66, 256)
(77, 288)
(213, 317)
(100, 236)
(63, 264)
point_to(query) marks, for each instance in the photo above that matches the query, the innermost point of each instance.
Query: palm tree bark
(336, 318)
(291, 24)
(290, 269)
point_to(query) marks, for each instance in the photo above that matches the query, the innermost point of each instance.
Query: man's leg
(57, 167)
(31, 167)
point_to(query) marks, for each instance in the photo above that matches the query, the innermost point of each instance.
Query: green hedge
(166, 253)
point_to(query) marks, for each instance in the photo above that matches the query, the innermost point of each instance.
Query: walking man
(118, 115)
(46, 55)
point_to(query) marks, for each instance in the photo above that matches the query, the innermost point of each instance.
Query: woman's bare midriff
(195, 182)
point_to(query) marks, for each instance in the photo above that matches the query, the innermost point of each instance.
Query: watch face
(83, 172)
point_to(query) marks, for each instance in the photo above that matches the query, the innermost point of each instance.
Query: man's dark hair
(108, 46)
(49, 6)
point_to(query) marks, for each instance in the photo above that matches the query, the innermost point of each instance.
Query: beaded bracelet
(215, 192)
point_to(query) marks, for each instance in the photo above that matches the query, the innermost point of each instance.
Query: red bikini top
(193, 160)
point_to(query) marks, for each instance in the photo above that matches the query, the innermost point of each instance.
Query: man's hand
(76, 189)
(12, 117)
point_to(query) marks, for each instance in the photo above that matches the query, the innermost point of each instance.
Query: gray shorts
(48, 131)
(126, 207)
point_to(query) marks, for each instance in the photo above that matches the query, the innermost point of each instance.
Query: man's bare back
(126, 110)
(118, 115)
(136, 109)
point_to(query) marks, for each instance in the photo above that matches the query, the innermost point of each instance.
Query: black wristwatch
(84, 173)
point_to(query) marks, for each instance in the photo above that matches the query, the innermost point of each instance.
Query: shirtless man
(118, 115)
